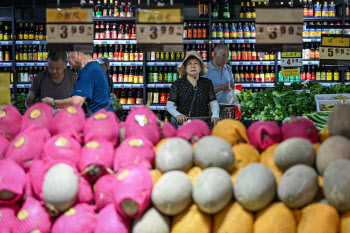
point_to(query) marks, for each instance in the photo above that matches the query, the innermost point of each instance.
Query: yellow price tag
(290, 54)
(290, 72)
(69, 15)
(159, 16)
(5, 93)
(336, 41)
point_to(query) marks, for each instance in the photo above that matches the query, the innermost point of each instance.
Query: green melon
(211, 151)
(175, 154)
(336, 186)
(172, 193)
(294, 151)
(60, 187)
(339, 121)
(212, 190)
(151, 222)
(255, 187)
(298, 186)
(335, 147)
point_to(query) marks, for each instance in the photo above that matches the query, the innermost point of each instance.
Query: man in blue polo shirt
(220, 73)
(92, 85)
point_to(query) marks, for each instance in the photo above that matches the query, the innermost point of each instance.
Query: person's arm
(170, 107)
(75, 99)
(30, 100)
(223, 87)
(215, 109)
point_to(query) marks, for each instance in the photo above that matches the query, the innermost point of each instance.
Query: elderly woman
(192, 95)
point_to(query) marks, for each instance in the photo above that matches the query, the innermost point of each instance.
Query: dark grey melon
(152, 221)
(339, 120)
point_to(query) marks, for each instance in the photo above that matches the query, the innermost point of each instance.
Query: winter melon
(294, 151)
(212, 190)
(333, 148)
(345, 222)
(233, 219)
(298, 186)
(193, 173)
(255, 187)
(318, 218)
(191, 220)
(336, 184)
(211, 151)
(339, 121)
(275, 218)
(172, 193)
(60, 187)
(232, 131)
(151, 222)
(175, 154)
(267, 158)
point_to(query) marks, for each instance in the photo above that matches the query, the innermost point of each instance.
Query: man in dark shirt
(92, 85)
(56, 81)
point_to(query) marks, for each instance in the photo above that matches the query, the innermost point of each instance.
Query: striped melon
(151, 222)
(191, 220)
(193, 173)
(298, 186)
(212, 190)
(255, 187)
(275, 218)
(172, 193)
(333, 148)
(175, 154)
(211, 151)
(233, 219)
(267, 158)
(336, 187)
(294, 151)
(338, 121)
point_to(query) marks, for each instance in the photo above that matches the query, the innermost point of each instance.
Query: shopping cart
(206, 119)
(229, 111)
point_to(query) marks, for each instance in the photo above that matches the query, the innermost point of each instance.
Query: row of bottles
(5, 53)
(318, 10)
(311, 51)
(248, 12)
(170, 56)
(118, 52)
(254, 74)
(7, 70)
(110, 8)
(132, 74)
(26, 74)
(5, 31)
(195, 30)
(130, 96)
(315, 73)
(157, 96)
(31, 53)
(107, 30)
(162, 74)
(309, 30)
(235, 31)
(247, 52)
(31, 32)
(203, 9)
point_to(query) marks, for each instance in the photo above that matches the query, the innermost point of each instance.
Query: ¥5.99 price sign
(279, 33)
(69, 33)
(334, 53)
(159, 33)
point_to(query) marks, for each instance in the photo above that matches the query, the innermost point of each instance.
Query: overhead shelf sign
(335, 50)
(156, 15)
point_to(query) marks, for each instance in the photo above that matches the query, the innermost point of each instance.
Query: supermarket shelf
(195, 18)
(111, 18)
(7, 19)
(328, 84)
(30, 42)
(231, 20)
(234, 41)
(256, 84)
(21, 86)
(252, 63)
(5, 63)
(311, 40)
(6, 42)
(160, 85)
(163, 63)
(42, 21)
(126, 63)
(308, 19)
(127, 85)
(114, 42)
(160, 107)
(191, 41)
(31, 63)
(129, 106)
(311, 62)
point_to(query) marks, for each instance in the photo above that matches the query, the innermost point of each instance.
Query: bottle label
(40, 56)
(237, 79)
(126, 57)
(98, 13)
(244, 55)
(102, 36)
(219, 35)
(347, 75)
(332, 13)
(246, 34)
(324, 13)
(318, 76)
(139, 101)
(205, 55)
(254, 55)
(129, 14)
(189, 33)
(123, 100)
(226, 15)
(254, 15)
(131, 100)
(249, 55)
(305, 12)
(140, 78)
(162, 98)
(20, 36)
(155, 77)
(36, 37)
(226, 35)
(122, 14)
(215, 15)
(132, 57)
(213, 35)
(253, 34)
(41, 37)
(105, 12)
(200, 9)
(233, 55)
(195, 33)
(273, 76)
(318, 13)
(318, 34)
(248, 15)
(120, 78)
(336, 76)
(126, 36)
(126, 78)
(233, 34)
(240, 34)
(204, 33)
(311, 12)
(305, 33)
(155, 98)
(200, 33)
(267, 77)
(239, 55)
(323, 76)
(329, 76)
(302, 76)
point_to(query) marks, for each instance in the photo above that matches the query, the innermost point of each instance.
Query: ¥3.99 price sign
(279, 33)
(70, 33)
(159, 33)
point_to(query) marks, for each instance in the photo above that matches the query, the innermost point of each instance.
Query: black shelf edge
(231, 20)
(43, 21)
(195, 18)
(5, 19)
(111, 18)
(195, 41)
(311, 19)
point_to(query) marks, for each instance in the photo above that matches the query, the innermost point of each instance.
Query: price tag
(30, 64)
(290, 72)
(110, 42)
(5, 97)
(151, 86)
(279, 15)
(245, 63)
(256, 63)
(160, 108)
(20, 86)
(157, 15)
(279, 34)
(68, 15)
(121, 41)
(291, 54)
(159, 85)
(151, 63)
(159, 33)
(69, 33)
(133, 41)
(256, 85)
(160, 63)
(199, 41)
(171, 64)
(36, 42)
(6, 64)
(270, 85)
(238, 41)
(228, 41)
(127, 85)
(289, 62)
(335, 41)
(245, 85)
(332, 53)
(126, 63)
(19, 42)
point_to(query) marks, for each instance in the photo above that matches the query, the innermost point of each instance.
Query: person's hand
(224, 87)
(232, 86)
(47, 100)
(181, 119)
(215, 120)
